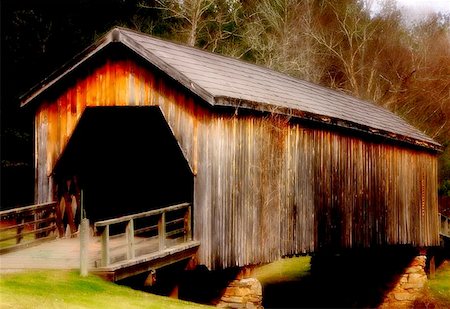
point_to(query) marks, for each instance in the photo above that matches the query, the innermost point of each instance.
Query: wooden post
(130, 239)
(440, 222)
(84, 244)
(105, 246)
(35, 225)
(187, 224)
(162, 231)
(447, 227)
(59, 217)
(432, 268)
(19, 220)
(70, 214)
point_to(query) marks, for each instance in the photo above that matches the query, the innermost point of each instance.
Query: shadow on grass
(357, 279)
(351, 279)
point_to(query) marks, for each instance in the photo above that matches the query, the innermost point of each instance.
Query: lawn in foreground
(66, 289)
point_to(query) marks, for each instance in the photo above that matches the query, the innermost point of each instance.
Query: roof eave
(68, 67)
(316, 118)
(116, 35)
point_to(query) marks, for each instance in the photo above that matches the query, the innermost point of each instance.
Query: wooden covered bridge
(269, 165)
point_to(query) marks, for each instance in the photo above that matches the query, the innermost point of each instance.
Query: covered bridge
(273, 165)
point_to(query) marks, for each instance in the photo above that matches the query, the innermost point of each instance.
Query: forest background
(380, 56)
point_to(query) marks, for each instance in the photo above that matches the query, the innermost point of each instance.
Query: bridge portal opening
(126, 160)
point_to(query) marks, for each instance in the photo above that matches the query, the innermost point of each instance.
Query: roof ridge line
(163, 65)
(251, 64)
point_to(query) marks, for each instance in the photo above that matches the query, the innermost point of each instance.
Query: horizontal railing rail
(24, 226)
(444, 225)
(138, 230)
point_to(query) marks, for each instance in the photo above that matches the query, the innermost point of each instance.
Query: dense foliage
(377, 56)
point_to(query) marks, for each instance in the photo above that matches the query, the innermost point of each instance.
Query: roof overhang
(118, 36)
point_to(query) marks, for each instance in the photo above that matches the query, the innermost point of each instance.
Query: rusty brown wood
(40, 217)
(266, 185)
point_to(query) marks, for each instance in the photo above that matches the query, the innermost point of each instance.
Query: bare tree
(349, 39)
(205, 23)
(189, 13)
(275, 36)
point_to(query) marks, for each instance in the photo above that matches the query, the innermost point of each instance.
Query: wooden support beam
(84, 245)
(187, 225)
(432, 268)
(105, 246)
(149, 262)
(130, 239)
(162, 231)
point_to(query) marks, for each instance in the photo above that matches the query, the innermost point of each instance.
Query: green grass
(287, 269)
(66, 289)
(439, 287)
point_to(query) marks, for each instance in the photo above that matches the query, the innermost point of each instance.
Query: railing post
(19, 220)
(130, 239)
(84, 244)
(59, 218)
(447, 230)
(35, 226)
(162, 231)
(105, 246)
(187, 224)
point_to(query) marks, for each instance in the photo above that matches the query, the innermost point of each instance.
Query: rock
(419, 261)
(231, 305)
(404, 296)
(409, 286)
(243, 293)
(237, 291)
(232, 299)
(404, 278)
(414, 269)
(417, 278)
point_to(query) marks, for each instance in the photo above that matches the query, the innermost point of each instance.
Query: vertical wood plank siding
(264, 186)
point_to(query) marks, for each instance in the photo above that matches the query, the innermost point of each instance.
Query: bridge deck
(136, 243)
(64, 253)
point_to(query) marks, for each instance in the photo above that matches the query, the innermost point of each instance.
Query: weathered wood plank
(265, 185)
(141, 215)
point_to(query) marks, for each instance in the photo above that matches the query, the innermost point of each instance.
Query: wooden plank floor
(64, 253)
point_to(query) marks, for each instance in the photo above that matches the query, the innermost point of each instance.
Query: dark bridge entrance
(126, 160)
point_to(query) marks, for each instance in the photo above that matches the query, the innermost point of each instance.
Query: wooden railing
(130, 236)
(27, 225)
(444, 228)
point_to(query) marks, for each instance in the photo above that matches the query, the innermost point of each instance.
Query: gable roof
(224, 81)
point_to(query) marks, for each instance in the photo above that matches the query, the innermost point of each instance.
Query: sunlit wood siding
(116, 83)
(265, 185)
(275, 188)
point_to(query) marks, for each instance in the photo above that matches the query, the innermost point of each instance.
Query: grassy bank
(438, 289)
(290, 283)
(288, 269)
(66, 289)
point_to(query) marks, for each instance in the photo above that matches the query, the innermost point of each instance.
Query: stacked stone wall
(409, 287)
(242, 293)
